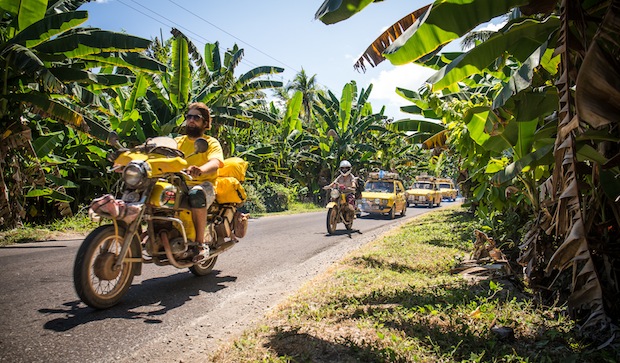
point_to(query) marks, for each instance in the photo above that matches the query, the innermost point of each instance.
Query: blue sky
(277, 33)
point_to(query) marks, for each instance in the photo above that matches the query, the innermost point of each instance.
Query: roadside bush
(276, 197)
(254, 204)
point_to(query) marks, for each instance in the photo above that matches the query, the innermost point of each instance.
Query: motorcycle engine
(178, 246)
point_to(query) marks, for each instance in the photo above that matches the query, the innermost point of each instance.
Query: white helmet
(345, 167)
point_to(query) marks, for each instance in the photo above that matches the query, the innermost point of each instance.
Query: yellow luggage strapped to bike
(228, 188)
(234, 167)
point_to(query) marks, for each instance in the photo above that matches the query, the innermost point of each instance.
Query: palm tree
(309, 89)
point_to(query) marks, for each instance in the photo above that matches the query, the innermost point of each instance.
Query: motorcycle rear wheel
(97, 284)
(332, 220)
(205, 268)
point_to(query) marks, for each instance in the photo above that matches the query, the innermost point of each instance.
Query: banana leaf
(416, 125)
(84, 43)
(45, 144)
(333, 11)
(520, 40)
(181, 76)
(257, 72)
(124, 59)
(434, 31)
(262, 84)
(49, 27)
(522, 78)
(49, 193)
(529, 160)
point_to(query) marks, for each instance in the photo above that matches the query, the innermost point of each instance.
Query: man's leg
(199, 217)
(200, 199)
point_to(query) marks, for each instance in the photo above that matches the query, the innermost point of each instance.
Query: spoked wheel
(96, 281)
(404, 211)
(393, 212)
(332, 220)
(205, 268)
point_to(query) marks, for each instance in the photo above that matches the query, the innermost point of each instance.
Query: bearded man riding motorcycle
(203, 168)
(349, 181)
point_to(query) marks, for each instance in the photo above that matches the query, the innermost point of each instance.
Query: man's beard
(194, 131)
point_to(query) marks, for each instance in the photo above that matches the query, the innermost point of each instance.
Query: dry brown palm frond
(598, 96)
(374, 53)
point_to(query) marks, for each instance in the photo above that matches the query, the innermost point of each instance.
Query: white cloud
(410, 76)
(493, 27)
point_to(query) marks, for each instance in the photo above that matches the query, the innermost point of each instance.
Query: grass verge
(78, 225)
(394, 300)
(81, 225)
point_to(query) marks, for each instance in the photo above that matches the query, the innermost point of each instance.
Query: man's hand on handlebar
(194, 170)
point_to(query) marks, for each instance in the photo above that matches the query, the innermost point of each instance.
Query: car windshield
(445, 185)
(381, 187)
(422, 186)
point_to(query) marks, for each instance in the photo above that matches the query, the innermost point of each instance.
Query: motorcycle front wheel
(96, 282)
(205, 268)
(332, 220)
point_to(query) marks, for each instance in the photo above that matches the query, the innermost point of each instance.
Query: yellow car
(383, 194)
(425, 191)
(447, 189)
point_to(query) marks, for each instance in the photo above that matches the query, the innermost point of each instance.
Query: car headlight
(135, 173)
(334, 194)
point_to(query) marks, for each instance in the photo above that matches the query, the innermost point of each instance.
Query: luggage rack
(383, 175)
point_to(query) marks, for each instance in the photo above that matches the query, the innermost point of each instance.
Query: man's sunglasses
(193, 117)
(345, 169)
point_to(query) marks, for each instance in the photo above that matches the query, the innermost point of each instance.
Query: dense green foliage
(58, 107)
(531, 112)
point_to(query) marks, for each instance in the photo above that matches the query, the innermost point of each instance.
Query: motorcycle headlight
(334, 193)
(135, 173)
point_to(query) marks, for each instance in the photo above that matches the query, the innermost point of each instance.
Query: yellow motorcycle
(338, 208)
(151, 222)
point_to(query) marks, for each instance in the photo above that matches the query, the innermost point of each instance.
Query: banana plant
(52, 73)
(207, 77)
(577, 195)
(346, 126)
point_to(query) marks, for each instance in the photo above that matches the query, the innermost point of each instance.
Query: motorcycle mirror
(200, 145)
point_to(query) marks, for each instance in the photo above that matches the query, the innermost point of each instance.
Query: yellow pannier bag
(234, 167)
(229, 190)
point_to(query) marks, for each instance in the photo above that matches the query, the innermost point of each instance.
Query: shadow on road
(145, 301)
(342, 232)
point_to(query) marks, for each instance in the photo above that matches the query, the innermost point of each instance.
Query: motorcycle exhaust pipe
(173, 261)
(224, 247)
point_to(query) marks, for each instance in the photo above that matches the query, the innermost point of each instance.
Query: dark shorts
(201, 196)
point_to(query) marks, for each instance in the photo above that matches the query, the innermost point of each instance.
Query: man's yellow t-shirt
(214, 151)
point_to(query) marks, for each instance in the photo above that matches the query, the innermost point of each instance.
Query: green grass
(78, 224)
(395, 300)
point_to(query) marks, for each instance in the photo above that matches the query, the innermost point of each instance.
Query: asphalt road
(167, 312)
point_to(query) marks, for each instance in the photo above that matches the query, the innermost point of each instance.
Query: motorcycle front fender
(330, 205)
